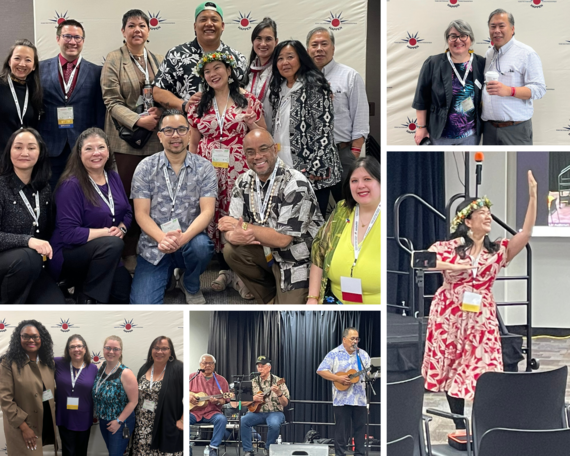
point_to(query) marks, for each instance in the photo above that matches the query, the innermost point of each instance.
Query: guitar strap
(358, 360)
(217, 383)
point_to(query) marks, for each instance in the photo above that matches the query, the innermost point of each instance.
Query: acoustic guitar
(204, 398)
(353, 376)
(254, 407)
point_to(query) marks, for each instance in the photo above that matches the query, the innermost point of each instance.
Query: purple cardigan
(74, 420)
(76, 215)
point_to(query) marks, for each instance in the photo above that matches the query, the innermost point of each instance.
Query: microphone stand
(238, 390)
(368, 387)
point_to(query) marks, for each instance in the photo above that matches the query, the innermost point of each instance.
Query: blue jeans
(219, 421)
(150, 281)
(273, 421)
(116, 444)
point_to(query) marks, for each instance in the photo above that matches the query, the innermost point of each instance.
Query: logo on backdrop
(410, 125)
(128, 326)
(488, 42)
(413, 41)
(336, 21)
(3, 325)
(156, 22)
(567, 43)
(244, 22)
(565, 129)
(65, 325)
(57, 19)
(96, 358)
(537, 3)
(453, 3)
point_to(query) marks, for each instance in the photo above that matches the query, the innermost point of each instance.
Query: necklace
(253, 205)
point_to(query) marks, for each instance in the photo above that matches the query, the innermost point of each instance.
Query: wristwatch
(123, 229)
(119, 421)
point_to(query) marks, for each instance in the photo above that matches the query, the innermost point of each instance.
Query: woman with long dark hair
(303, 118)
(93, 215)
(159, 427)
(26, 222)
(218, 124)
(27, 389)
(20, 90)
(462, 339)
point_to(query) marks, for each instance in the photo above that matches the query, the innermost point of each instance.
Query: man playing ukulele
(272, 396)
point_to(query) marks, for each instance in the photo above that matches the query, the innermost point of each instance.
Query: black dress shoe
(82, 298)
(213, 451)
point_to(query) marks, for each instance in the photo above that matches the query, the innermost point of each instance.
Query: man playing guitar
(272, 396)
(212, 385)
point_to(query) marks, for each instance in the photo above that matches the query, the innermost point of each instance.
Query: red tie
(67, 71)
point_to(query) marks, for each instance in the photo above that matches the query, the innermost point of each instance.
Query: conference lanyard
(263, 206)
(152, 375)
(73, 380)
(99, 382)
(358, 360)
(34, 213)
(109, 202)
(21, 113)
(467, 70)
(169, 185)
(355, 224)
(222, 117)
(67, 85)
(145, 69)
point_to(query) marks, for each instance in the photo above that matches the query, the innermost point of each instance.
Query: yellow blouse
(367, 267)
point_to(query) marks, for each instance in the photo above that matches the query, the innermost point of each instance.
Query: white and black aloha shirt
(175, 72)
(294, 212)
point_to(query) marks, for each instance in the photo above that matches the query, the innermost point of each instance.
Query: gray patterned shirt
(294, 212)
(149, 183)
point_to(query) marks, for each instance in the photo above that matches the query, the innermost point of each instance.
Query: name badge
(268, 256)
(467, 105)
(172, 225)
(65, 117)
(72, 403)
(149, 405)
(47, 395)
(221, 158)
(351, 288)
(471, 302)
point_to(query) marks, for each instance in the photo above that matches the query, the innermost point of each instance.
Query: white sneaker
(191, 298)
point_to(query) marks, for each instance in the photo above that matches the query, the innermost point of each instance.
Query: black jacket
(166, 437)
(434, 92)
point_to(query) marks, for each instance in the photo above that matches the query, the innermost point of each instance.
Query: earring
(171, 358)
(230, 80)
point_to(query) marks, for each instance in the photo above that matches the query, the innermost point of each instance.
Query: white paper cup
(491, 76)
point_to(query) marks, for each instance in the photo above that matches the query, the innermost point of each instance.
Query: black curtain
(423, 174)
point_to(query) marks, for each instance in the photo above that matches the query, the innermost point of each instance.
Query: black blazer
(434, 92)
(166, 437)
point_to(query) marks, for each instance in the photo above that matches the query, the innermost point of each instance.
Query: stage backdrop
(136, 329)
(415, 31)
(172, 24)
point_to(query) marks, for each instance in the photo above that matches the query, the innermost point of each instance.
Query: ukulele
(353, 376)
(203, 399)
(256, 406)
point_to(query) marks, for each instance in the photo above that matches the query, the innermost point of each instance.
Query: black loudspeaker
(299, 449)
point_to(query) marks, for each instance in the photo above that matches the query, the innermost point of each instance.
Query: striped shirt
(351, 115)
(518, 65)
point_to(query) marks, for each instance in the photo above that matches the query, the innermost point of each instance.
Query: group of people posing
(158, 164)
(40, 394)
(461, 95)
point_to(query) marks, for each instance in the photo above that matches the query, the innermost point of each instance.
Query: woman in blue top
(74, 377)
(115, 394)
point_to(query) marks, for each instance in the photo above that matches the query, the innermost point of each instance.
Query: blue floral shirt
(339, 360)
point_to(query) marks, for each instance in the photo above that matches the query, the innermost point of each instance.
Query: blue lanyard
(358, 361)
(217, 383)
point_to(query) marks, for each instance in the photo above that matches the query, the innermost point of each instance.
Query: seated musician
(209, 384)
(271, 397)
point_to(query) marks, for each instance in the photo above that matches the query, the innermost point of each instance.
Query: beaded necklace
(252, 199)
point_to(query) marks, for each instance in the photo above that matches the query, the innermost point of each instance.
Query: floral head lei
(466, 212)
(225, 57)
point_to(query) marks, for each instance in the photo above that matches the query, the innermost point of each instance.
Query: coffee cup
(491, 76)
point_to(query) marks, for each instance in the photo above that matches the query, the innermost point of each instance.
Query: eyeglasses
(112, 349)
(354, 339)
(262, 151)
(76, 347)
(207, 364)
(27, 338)
(452, 38)
(67, 38)
(169, 131)
(160, 349)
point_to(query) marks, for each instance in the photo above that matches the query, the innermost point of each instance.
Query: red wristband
(355, 149)
(512, 91)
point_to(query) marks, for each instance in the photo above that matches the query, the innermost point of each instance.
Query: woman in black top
(20, 90)
(26, 222)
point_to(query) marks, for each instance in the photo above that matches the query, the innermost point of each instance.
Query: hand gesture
(116, 231)
(420, 134)
(170, 243)
(249, 117)
(155, 112)
(30, 438)
(258, 397)
(193, 399)
(113, 426)
(148, 122)
(276, 390)
(531, 185)
(343, 379)
(40, 246)
(498, 88)
(240, 236)
(194, 100)
(227, 223)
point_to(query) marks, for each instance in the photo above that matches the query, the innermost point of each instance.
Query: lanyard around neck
(221, 117)
(355, 224)
(145, 69)
(99, 382)
(169, 185)
(74, 379)
(67, 85)
(262, 206)
(109, 200)
(22, 112)
(35, 213)
(467, 69)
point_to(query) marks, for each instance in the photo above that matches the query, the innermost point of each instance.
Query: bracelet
(123, 229)
(355, 149)
(421, 126)
(312, 297)
(244, 226)
(280, 396)
(512, 91)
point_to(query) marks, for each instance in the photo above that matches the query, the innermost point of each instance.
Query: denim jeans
(219, 421)
(150, 281)
(273, 421)
(116, 444)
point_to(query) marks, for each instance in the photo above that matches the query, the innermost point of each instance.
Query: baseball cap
(209, 6)
(263, 360)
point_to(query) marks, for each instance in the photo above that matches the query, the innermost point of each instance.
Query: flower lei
(225, 57)
(464, 213)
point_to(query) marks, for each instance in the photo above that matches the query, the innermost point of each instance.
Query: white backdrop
(415, 31)
(136, 329)
(172, 23)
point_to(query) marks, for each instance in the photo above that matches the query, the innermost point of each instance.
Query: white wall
(199, 333)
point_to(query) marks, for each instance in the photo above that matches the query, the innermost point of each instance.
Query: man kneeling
(274, 216)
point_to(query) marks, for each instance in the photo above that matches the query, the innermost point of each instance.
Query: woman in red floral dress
(463, 336)
(218, 122)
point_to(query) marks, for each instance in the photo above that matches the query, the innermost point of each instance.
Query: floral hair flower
(225, 57)
(465, 212)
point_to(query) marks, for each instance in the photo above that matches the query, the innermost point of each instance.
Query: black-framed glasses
(112, 349)
(452, 38)
(68, 38)
(76, 347)
(250, 153)
(27, 338)
(169, 131)
(161, 349)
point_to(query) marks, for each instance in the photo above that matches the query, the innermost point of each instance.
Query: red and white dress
(234, 130)
(460, 346)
